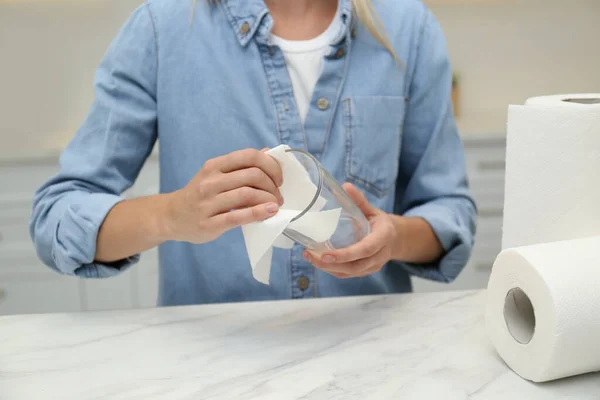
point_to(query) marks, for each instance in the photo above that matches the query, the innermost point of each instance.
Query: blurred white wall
(509, 50)
(504, 50)
(49, 51)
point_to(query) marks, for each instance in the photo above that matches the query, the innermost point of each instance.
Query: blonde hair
(366, 14)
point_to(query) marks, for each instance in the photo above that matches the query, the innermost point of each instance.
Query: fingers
(383, 232)
(249, 158)
(367, 247)
(360, 199)
(354, 269)
(251, 177)
(241, 198)
(363, 258)
(339, 275)
(351, 268)
(233, 219)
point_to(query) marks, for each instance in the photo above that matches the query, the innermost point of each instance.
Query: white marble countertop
(416, 346)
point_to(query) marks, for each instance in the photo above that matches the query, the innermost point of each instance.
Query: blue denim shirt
(209, 83)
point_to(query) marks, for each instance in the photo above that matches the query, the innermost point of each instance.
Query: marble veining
(416, 346)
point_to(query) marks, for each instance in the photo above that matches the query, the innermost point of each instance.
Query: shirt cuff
(456, 240)
(74, 248)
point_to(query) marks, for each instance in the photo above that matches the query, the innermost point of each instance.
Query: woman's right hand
(229, 191)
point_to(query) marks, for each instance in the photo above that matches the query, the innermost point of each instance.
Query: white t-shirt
(304, 59)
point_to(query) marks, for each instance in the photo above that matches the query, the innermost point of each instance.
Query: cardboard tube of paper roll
(543, 308)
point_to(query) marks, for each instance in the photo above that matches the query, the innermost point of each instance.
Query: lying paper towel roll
(552, 168)
(543, 308)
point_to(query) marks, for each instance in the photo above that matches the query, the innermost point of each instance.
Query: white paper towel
(552, 189)
(298, 191)
(543, 308)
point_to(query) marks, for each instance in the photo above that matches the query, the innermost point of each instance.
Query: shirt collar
(251, 18)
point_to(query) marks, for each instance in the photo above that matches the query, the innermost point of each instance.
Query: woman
(370, 100)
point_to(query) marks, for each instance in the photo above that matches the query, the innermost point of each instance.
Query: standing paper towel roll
(552, 187)
(543, 308)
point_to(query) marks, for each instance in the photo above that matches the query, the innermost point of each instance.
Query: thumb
(360, 199)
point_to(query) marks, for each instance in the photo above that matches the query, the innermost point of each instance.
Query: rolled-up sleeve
(432, 181)
(104, 157)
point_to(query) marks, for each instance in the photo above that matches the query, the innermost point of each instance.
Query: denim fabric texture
(209, 83)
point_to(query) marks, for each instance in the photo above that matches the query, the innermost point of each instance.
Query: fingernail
(306, 256)
(281, 201)
(328, 258)
(271, 208)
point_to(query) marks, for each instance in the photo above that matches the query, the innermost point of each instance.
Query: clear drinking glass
(352, 225)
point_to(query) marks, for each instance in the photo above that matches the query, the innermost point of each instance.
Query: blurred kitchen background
(502, 51)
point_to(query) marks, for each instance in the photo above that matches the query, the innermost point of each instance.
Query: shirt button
(322, 104)
(303, 283)
(340, 53)
(245, 28)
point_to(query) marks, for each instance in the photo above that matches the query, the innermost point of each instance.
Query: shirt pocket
(373, 129)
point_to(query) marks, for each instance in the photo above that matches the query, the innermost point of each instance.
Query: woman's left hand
(367, 256)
